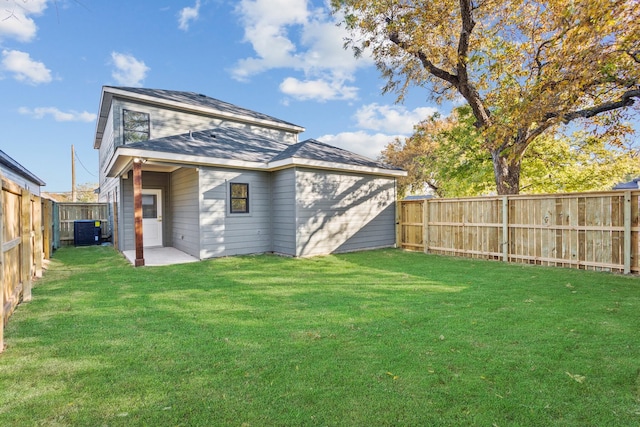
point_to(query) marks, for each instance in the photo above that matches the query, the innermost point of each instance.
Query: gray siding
(126, 232)
(184, 208)
(107, 147)
(107, 190)
(226, 234)
(283, 211)
(341, 212)
(168, 122)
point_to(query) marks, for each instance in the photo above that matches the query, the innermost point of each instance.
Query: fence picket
(598, 230)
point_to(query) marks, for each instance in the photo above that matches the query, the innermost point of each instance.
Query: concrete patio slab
(161, 256)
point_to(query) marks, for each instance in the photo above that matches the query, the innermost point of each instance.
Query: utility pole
(74, 197)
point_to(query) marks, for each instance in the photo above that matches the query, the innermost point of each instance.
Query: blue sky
(279, 57)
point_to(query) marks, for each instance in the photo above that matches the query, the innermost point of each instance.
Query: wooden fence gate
(598, 231)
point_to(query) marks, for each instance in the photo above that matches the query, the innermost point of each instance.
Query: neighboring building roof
(631, 185)
(18, 169)
(188, 101)
(419, 197)
(238, 147)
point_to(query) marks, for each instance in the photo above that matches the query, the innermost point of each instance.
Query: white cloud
(58, 115)
(290, 34)
(24, 68)
(391, 118)
(128, 70)
(15, 20)
(379, 125)
(361, 142)
(320, 90)
(188, 14)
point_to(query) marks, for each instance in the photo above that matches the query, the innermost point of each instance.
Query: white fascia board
(103, 114)
(124, 155)
(205, 110)
(317, 164)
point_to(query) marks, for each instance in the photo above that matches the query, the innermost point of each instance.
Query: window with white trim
(135, 125)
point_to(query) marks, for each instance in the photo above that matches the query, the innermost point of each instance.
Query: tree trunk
(507, 173)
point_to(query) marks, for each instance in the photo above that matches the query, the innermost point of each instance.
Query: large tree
(524, 67)
(445, 156)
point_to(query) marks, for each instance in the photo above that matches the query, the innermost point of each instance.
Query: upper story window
(136, 126)
(239, 198)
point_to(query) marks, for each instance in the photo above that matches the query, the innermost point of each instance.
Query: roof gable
(192, 99)
(189, 102)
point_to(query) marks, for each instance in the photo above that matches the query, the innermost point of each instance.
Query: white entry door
(152, 218)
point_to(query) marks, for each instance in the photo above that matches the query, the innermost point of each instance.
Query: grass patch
(373, 338)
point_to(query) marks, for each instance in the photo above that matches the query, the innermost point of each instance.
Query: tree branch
(466, 89)
(463, 42)
(426, 63)
(460, 80)
(626, 100)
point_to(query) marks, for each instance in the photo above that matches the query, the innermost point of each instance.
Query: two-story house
(213, 179)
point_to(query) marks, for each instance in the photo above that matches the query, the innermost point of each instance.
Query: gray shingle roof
(232, 143)
(221, 143)
(199, 100)
(312, 149)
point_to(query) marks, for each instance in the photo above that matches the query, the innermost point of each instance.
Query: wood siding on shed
(225, 234)
(342, 212)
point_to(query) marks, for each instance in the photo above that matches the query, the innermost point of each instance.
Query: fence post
(425, 225)
(37, 238)
(2, 292)
(627, 232)
(26, 259)
(505, 229)
(398, 224)
(46, 227)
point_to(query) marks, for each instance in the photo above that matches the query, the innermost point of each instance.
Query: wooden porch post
(137, 210)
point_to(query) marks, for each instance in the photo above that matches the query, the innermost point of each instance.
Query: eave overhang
(124, 156)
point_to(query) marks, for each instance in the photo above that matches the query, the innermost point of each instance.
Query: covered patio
(161, 256)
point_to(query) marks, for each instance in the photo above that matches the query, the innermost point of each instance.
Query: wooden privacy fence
(67, 213)
(25, 240)
(598, 231)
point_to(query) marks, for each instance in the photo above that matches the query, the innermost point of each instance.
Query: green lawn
(373, 338)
